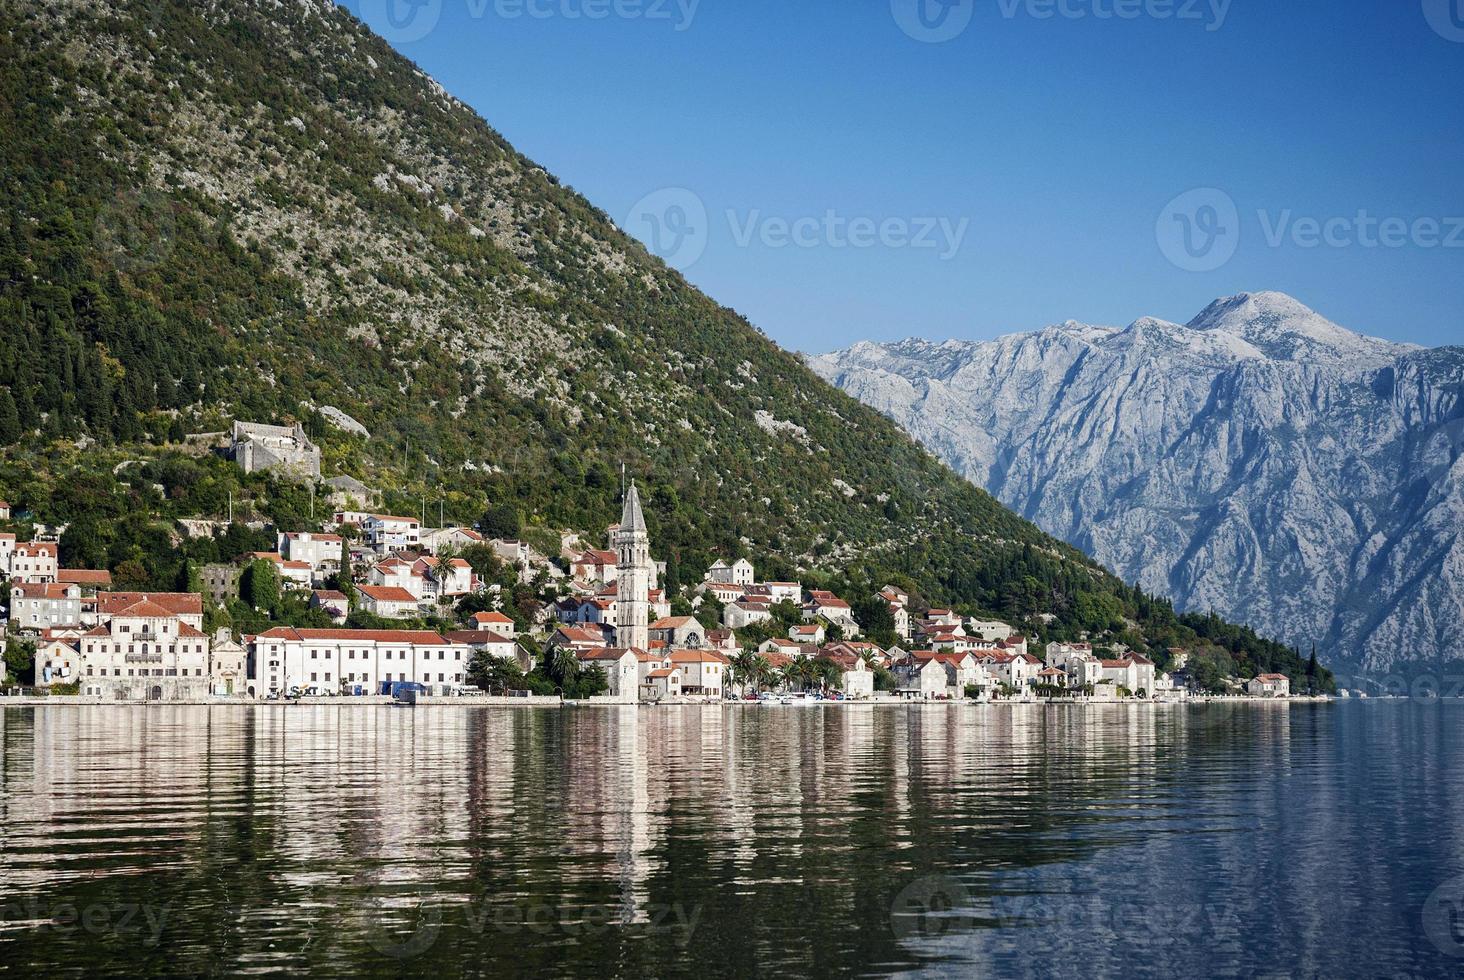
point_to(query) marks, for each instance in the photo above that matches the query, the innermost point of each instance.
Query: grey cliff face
(1258, 461)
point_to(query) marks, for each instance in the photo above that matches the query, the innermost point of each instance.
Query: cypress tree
(9, 419)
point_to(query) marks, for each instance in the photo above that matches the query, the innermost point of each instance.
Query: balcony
(142, 658)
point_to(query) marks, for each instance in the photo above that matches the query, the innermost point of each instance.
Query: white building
(145, 652)
(739, 572)
(1269, 686)
(808, 633)
(436, 539)
(703, 672)
(353, 661)
(386, 534)
(186, 606)
(321, 552)
(826, 605)
(988, 629)
(42, 605)
(595, 567)
(33, 561)
(387, 601)
(293, 574)
(494, 622)
(784, 592)
(661, 683)
(740, 615)
(1134, 672)
(227, 666)
(621, 667)
(858, 678)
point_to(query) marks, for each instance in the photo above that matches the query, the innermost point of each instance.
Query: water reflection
(1020, 840)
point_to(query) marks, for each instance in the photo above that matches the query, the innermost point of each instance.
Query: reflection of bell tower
(633, 576)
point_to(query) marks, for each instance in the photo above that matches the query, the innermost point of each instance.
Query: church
(638, 668)
(634, 576)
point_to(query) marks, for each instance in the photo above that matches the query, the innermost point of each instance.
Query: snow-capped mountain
(1259, 461)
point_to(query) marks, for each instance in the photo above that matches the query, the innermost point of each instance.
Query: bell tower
(633, 576)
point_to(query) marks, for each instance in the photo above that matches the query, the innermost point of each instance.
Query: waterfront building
(353, 661)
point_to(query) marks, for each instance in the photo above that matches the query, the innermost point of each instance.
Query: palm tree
(789, 674)
(561, 666)
(745, 668)
(807, 671)
(829, 673)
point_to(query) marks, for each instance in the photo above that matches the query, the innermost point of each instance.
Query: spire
(631, 519)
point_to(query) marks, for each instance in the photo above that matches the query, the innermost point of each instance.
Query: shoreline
(79, 701)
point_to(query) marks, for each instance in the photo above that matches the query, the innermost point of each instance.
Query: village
(602, 616)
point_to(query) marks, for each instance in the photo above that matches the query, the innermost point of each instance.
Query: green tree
(494, 673)
(259, 586)
(503, 521)
(20, 661)
(345, 579)
(874, 616)
(9, 419)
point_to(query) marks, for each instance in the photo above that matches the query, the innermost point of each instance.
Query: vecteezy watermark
(934, 21)
(833, 230)
(404, 21)
(407, 920)
(930, 909)
(1200, 230)
(675, 225)
(1211, 13)
(140, 920)
(1446, 17)
(1443, 917)
(1424, 687)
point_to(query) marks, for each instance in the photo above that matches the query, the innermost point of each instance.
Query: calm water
(1305, 840)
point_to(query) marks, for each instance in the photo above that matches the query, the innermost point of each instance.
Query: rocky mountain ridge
(1259, 461)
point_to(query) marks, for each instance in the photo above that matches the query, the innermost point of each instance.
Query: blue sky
(861, 179)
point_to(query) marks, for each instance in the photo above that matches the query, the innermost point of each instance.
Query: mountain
(1259, 461)
(246, 209)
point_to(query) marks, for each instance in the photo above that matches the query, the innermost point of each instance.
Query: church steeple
(634, 572)
(631, 518)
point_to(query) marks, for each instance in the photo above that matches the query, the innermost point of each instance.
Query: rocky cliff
(1259, 461)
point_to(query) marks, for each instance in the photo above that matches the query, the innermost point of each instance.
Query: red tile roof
(177, 603)
(46, 590)
(84, 576)
(386, 593)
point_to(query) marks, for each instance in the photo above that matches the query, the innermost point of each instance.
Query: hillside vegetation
(254, 210)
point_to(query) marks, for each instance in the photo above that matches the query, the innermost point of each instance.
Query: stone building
(257, 448)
